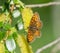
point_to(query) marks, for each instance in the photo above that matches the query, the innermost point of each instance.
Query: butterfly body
(34, 27)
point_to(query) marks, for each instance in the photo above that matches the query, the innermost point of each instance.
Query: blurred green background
(50, 17)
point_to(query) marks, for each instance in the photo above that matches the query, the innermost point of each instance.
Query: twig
(56, 48)
(48, 45)
(43, 5)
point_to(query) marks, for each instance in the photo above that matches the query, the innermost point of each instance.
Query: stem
(43, 5)
(48, 45)
(40, 5)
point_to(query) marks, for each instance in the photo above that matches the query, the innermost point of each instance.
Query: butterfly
(34, 28)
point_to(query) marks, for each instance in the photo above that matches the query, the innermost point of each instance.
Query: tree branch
(48, 45)
(43, 5)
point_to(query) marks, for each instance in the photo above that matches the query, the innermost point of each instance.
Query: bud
(10, 44)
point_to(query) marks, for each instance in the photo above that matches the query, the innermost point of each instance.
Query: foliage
(14, 26)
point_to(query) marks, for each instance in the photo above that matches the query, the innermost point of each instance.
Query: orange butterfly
(34, 27)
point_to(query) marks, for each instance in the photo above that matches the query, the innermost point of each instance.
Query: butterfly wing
(30, 36)
(34, 28)
(38, 25)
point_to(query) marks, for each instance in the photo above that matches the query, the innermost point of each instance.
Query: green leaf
(16, 1)
(19, 2)
(2, 35)
(7, 26)
(1, 24)
(15, 20)
(14, 35)
(17, 50)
